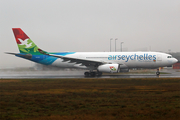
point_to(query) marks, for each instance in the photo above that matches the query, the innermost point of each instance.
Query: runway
(80, 74)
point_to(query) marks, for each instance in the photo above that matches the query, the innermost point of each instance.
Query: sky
(88, 26)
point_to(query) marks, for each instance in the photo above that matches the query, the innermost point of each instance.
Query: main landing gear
(157, 73)
(92, 74)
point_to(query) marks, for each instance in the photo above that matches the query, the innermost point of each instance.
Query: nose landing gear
(157, 73)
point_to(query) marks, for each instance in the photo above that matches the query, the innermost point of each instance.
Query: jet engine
(109, 68)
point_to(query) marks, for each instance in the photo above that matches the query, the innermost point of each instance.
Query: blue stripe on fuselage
(43, 59)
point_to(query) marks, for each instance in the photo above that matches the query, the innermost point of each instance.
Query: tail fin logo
(27, 42)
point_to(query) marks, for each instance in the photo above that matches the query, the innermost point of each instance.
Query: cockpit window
(169, 56)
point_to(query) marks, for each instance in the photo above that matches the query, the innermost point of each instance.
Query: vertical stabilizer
(25, 44)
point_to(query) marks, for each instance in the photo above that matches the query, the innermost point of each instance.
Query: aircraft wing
(85, 62)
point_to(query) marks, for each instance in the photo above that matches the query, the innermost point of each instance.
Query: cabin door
(159, 57)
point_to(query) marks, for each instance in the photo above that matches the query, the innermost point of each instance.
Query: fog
(88, 25)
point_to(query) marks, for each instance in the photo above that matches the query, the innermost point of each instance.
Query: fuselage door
(159, 57)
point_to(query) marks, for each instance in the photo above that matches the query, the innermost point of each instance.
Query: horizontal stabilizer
(27, 56)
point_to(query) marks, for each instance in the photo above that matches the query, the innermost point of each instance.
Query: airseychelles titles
(143, 57)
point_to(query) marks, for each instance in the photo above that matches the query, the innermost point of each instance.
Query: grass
(49, 99)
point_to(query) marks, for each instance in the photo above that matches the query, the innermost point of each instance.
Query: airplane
(95, 62)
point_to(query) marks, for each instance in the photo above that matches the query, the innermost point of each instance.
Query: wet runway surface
(80, 74)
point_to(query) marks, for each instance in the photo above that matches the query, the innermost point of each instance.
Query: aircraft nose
(175, 60)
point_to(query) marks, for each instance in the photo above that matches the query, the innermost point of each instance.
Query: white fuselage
(125, 59)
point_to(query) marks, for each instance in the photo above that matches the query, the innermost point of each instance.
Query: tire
(93, 74)
(99, 73)
(157, 73)
(86, 74)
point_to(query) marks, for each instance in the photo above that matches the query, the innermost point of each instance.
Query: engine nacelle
(109, 68)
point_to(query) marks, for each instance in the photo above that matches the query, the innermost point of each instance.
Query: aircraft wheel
(86, 74)
(157, 73)
(99, 73)
(93, 74)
